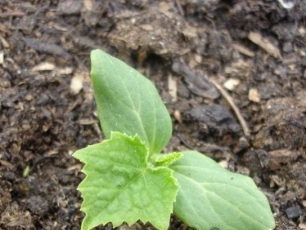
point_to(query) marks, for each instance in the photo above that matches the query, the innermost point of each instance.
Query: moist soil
(231, 73)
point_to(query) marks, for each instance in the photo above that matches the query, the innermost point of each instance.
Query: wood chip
(76, 83)
(86, 121)
(302, 226)
(64, 71)
(172, 88)
(6, 164)
(4, 42)
(276, 180)
(48, 66)
(265, 44)
(177, 115)
(1, 57)
(302, 31)
(88, 5)
(44, 66)
(198, 58)
(242, 49)
(254, 95)
(280, 157)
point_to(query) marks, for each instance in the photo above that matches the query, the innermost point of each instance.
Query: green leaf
(210, 196)
(128, 102)
(120, 186)
(162, 159)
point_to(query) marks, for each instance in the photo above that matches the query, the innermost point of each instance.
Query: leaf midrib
(132, 108)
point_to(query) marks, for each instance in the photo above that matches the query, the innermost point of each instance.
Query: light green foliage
(128, 179)
(121, 186)
(211, 196)
(128, 102)
(165, 159)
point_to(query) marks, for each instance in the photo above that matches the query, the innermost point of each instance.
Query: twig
(229, 99)
(179, 7)
(12, 14)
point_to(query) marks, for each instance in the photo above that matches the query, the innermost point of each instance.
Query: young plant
(128, 179)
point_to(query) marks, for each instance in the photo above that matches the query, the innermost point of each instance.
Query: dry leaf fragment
(265, 44)
(172, 87)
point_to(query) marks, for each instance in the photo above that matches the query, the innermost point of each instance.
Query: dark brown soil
(200, 54)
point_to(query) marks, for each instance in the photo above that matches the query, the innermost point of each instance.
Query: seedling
(129, 179)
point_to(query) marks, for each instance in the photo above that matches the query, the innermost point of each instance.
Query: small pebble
(293, 212)
(254, 95)
(231, 84)
(76, 84)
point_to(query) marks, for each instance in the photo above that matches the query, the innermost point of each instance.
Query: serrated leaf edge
(147, 167)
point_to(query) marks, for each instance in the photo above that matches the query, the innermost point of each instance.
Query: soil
(232, 74)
